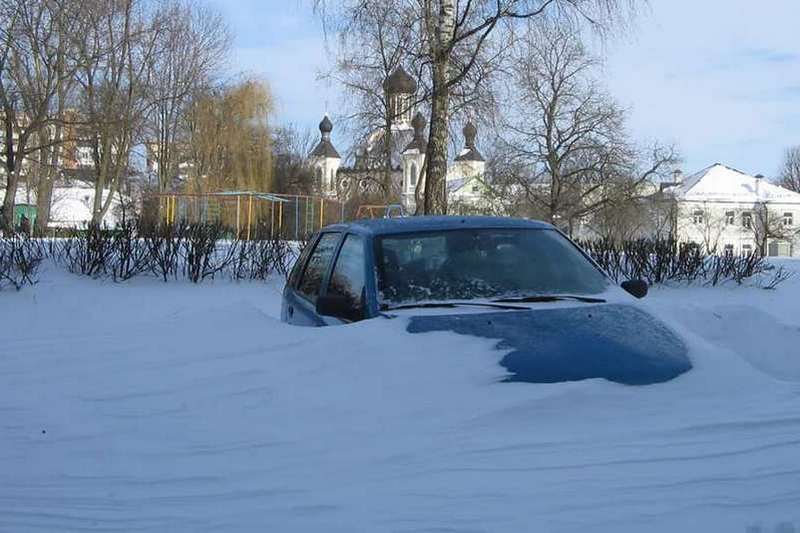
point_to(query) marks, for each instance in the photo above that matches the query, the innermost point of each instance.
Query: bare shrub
(776, 277)
(20, 259)
(86, 252)
(661, 260)
(163, 243)
(130, 253)
(201, 256)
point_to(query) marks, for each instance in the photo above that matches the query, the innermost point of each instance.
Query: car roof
(389, 226)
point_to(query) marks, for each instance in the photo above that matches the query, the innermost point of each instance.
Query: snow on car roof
(385, 226)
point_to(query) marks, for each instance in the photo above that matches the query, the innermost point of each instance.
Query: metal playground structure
(252, 214)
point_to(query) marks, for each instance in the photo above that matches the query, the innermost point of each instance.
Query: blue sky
(720, 78)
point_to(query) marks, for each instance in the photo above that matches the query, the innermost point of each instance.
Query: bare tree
(34, 68)
(790, 171)
(371, 47)
(291, 170)
(191, 46)
(567, 135)
(116, 58)
(453, 39)
(768, 224)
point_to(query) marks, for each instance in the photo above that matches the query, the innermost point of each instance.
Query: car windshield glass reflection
(481, 264)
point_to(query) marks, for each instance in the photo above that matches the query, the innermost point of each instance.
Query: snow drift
(152, 407)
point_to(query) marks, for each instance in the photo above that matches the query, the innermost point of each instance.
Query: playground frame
(287, 215)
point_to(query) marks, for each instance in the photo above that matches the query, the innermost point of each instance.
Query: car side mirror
(635, 287)
(336, 305)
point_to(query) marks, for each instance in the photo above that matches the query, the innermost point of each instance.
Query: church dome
(326, 126)
(400, 81)
(418, 122)
(470, 132)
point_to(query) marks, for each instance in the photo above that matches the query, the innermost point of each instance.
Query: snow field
(172, 407)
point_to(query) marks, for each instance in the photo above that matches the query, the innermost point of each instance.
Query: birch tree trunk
(435, 198)
(440, 28)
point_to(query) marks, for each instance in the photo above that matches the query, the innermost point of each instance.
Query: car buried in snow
(550, 307)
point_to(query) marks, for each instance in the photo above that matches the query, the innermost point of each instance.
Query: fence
(248, 214)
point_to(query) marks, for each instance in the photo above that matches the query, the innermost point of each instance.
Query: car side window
(294, 276)
(317, 265)
(348, 276)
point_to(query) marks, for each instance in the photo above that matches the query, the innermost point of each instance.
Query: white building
(724, 210)
(465, 176)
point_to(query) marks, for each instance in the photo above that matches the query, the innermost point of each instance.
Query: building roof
(400, 82)
(388, 226)
(324, 147)
(720, 183)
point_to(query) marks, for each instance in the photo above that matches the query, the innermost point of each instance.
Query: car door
(301, 298)
(348, 280)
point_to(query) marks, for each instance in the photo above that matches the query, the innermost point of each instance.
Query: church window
(412, 179)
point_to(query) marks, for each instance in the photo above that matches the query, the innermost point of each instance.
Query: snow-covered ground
(151, 407)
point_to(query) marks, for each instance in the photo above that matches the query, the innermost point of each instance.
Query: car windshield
(481, 264)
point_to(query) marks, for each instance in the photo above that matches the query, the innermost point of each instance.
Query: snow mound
(153, 407)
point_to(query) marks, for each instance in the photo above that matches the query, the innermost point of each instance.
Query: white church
(466, 187)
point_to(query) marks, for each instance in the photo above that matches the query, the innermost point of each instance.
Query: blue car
(520, 282)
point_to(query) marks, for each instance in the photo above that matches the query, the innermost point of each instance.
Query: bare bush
(130, 254)
(259, 259)
(658, 261)
(164, 246)
(87, 252)
(201, 255)
(20, 259)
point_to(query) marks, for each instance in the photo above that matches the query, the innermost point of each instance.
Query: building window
(697, 217)
(730, 218)
(788, 220)
(728, 250)
(747, 220)
(747, 249)
(475, 189)
(412, 178)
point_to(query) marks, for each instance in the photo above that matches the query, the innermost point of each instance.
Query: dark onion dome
(470, 153)
(418, 142)
(418, 122)
(325, 148)
(470, 132)
(400, 82)
(326, 126)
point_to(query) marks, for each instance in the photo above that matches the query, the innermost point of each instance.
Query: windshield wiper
(550, 298)
(496, 304)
